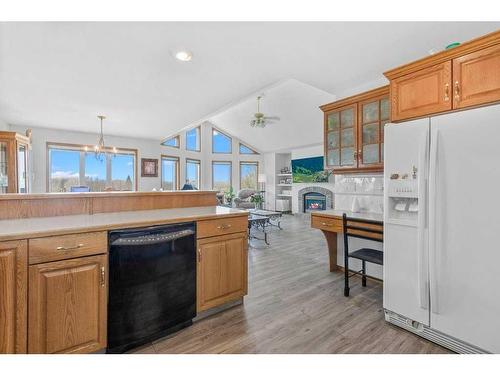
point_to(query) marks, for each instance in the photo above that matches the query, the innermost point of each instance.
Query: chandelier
(100, 148)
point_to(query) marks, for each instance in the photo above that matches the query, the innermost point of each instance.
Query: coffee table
(258, 222)
(273, 216)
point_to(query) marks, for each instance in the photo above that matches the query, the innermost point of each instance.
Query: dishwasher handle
(152, 238)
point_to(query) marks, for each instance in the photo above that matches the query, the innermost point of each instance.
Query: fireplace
(314, 201)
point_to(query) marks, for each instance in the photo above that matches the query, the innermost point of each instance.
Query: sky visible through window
(65, 171)
(221, 176)
(246, 150)
(221, 142)
(169, 171)
(192, 141)
(192, 172)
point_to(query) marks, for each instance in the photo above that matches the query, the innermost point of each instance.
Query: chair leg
(363, 278)
(346, 276)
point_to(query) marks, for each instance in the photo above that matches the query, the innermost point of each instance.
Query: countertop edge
(106, 227)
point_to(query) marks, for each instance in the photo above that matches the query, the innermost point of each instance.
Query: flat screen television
(309, 170)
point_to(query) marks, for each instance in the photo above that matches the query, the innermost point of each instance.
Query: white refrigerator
(442, 228)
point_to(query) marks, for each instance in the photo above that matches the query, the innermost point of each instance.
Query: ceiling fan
(260, 120)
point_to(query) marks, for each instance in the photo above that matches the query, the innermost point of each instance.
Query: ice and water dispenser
(402, 191)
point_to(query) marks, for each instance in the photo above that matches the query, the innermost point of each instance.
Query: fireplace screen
(314, 202)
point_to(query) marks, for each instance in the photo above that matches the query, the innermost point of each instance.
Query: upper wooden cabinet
(13, 296)
(68, 306)
(422, 92)
(465, 76)
(476, 77)
(354, 132)
(14, 157)
(222, 270)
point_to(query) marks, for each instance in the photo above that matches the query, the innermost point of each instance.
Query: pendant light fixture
(99, 148)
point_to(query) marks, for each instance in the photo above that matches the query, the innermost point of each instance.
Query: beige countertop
(47, 226)
(355, 215)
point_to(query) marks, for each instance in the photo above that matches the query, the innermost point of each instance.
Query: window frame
(224, 134)
(242, 162)
(177, 169)
(81, 168)
(227, 162)
(198, 131)
(250, 148)
(177, 137)
(196, 161)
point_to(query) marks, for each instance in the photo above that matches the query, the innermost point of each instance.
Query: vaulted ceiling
(61, 75)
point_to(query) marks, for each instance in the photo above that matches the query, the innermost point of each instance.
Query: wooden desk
(330, 223)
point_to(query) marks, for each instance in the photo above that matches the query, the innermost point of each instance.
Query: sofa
(242, 199)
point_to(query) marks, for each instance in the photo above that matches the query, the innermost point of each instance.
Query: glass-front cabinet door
(22, 168)
(340, 129)
(4, 179)
(374, 114)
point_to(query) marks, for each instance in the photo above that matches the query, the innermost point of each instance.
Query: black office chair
(368, 230)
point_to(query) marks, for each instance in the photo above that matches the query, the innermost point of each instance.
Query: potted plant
(229, 196)
(258, 199)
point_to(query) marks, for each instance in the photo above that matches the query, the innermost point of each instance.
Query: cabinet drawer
(326, 223)
(216, 227)
(48, 249)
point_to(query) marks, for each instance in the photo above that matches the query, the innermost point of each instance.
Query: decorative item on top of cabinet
(354, 132)
(13, 296)
(461, 77)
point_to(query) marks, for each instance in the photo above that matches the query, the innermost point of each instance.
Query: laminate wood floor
(294, 305)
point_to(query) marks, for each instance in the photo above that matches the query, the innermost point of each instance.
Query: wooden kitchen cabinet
(221, 270)
(68, 306)
(476, 78)
(13, 296)
(14, 163)
(353, 132)
(423, 92)
(461, 77)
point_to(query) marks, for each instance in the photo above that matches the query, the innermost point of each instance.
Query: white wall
(3, 125)
(146, 149)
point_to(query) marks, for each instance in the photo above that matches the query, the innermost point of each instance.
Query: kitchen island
(330, 223)
(54, 268)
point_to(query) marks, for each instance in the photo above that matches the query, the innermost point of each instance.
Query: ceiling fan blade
(272, 118)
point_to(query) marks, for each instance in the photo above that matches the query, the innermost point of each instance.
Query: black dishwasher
(152, 283)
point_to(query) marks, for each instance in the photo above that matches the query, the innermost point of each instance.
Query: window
(64, 167)
(71, 165)
(221, 175)
(246, 150)
(248, 174)
(169, 172)
(172, 142)
(193, 139)
(193, 172)
(122, 172)
(221, 143)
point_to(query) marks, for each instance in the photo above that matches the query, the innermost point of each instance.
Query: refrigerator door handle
(433, 222)
(423, 150)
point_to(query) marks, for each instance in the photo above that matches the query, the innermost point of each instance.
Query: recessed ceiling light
(183, 55)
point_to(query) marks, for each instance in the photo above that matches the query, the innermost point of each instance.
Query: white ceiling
(294, 102)
(61, 75)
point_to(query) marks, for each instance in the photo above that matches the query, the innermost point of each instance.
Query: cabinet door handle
(326, 224)
(103, 276)
(224, 226)
(199, 255)
(63, 248)
(457, 90)
(446, 92)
